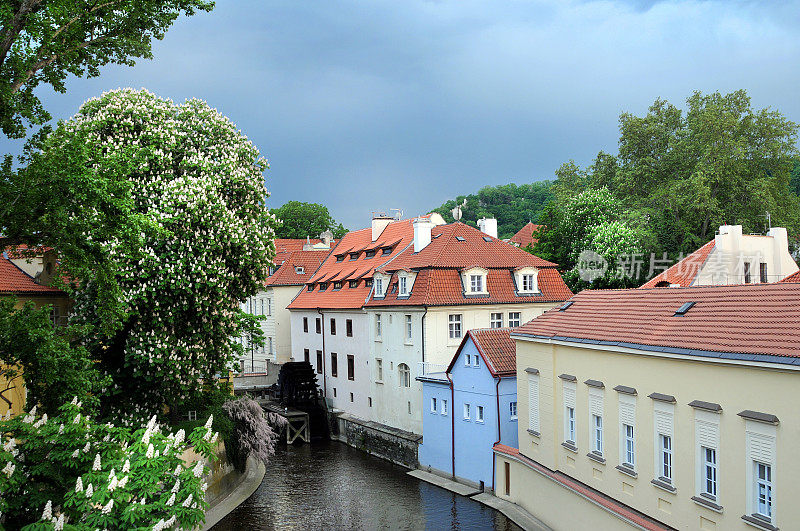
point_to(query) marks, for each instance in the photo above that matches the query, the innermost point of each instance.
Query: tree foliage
(253, 433)
(513, 205)
(71, 472)
(54, 369)
(44, 41)
(300, 220)
(159, 210)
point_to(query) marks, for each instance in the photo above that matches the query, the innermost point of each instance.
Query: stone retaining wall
(398, 446)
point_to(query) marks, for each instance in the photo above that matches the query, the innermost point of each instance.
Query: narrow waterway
(330, 485)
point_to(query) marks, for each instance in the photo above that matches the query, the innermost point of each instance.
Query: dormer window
(368, 282)
(300, 270)
(337, 285)
(403, 282)
(369, 254)
(474, 280)
(528, 280)
(476, 283)
(311, 287)
(340, 258)
(323, 286)
(353, 256)
(386, 250)
(353, 284)
(379, 287)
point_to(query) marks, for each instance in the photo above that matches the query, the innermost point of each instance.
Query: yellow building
(15, 282)
(660, 408)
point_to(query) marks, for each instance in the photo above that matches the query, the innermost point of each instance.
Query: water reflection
(329, 485)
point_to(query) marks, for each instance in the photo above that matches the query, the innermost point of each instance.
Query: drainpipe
(423, 335)
(494, 456)
(324, 377)
(452, 423)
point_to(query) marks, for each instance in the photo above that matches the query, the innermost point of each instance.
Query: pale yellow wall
(735, 388)
(279, 323)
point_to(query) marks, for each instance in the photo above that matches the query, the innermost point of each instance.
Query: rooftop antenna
(769, 220)
(399, 214)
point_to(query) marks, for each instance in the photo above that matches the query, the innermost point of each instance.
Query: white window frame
(570, 422)
(528, 280)
(665, 452)
(708, 473)
(496, 320)
(479, 414)
(512, 410)
(402, 282)
(597, 435)
(379, 370)
(476, 283)
(444, 407)
(707, 436)
(378, 327)
(455, 326)
(760, 448)
(404, 375)
(514, 317)
(763, 489)
(596, 399)
(533, 403)
(434, 409)
(409, 329)
(629, 446)
(627, 441)
(466, 412)
(663, 424)
(378, 284)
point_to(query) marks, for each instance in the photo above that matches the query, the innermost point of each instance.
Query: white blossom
(188, 501)
(89, 491)
(79, 485)
(9, 468)
(171, 500)
(108, 506)
(96, 465)
(47, 514)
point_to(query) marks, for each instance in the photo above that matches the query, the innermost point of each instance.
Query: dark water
(330, 485)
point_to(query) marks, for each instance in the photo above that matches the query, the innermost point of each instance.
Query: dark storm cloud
(402, 104)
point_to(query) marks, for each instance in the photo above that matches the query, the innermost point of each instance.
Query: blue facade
(472, 413)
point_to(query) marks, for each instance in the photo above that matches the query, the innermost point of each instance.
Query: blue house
(470, 407)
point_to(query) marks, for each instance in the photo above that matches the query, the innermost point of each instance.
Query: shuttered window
(533, 403)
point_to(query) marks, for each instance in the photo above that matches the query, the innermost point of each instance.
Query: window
(444, 407)
(305, 324)
(466, 412)
(378, 325)
(496, 320)
(533, 402)
(403, 285)
(570, 391)
(665, 469)
(570, 435)
(476, 283)
(479, 414)
(379, 287)
(353, 256)
(353, 284)
(269, 306)
(333, 326)
(763, 490)
(351, 367)
(351, 397)
(454, 323)
(323, 286)
(334, 365)
(405, 375)
(409, 329)
(311, 287)
(763, 273)
(597, 438)
(368, 282)
(709, 473)
(747, 278)
(337, 285)
(467, 360)
(379, 370)
(512, 410)
(386, 250)
(306, 355)
(629, 457)
(262, 307)
(340, 258)
(528, 282)
(349, 327)
(319, 325)
(270, 345)
(300, 270)
(334, 392)
(319, 362)
(369, 254)
(369, 401)
(434, 408)
(409, 407)
(513, 319)
(476, 360)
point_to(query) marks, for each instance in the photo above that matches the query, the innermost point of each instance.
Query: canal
(329, 485)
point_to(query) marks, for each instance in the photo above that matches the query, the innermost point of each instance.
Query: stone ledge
(240, 491)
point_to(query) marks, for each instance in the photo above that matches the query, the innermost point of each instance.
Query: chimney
(422, 233)
(379, 222)
(326, 238)
(488, 226)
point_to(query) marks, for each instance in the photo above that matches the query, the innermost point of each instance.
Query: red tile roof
(15, 280)
(685, 271)
(496, 347)
(524, 236)
(397, 233)
(287, 274)
(794, 277)
(760, 320)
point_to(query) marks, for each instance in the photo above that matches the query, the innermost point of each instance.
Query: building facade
(659, 408)
(470, 407)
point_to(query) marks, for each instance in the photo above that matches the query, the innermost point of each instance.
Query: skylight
(459, 238)
(684, 308)
(566, 305)
(487, 238)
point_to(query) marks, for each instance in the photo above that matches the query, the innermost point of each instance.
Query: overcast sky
(377, 104)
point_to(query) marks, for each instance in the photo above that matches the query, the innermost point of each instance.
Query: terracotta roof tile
(287, 274)
(794, 277)
(745, 319)
(15, 280)
(685, 271)
(498, 350)
(524, 236)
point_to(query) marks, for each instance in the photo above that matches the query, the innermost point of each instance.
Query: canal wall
(398, 446)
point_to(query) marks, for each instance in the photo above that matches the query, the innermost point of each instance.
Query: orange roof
(524, 236)
(794, 277)
(685, 271)
(496, 347)
(288, 245)
(15, 280)
(399, 233)
(752, 322)
(287, 274)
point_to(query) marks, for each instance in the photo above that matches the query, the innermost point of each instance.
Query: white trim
(533, 403)
(760, 446)
(627, 350)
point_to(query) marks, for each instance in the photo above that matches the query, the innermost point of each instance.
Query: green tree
(44, 41)
(299, 220)
(54, 370)
(160, 214)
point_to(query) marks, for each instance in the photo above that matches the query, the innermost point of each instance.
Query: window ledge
(663, 485)
(569, 446)
(409, 343)
(598, 458)
(759, 523)
(379, 382)
(534, 433)
(708, 504)
(627, 471)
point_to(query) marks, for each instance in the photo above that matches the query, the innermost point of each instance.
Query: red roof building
(524, 236)
(496, 348)
(14, 281)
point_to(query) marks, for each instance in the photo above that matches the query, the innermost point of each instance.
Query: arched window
(405, 375)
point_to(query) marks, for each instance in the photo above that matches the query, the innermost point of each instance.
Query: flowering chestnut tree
(253, 433)
(70, 472)
(163, 223)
